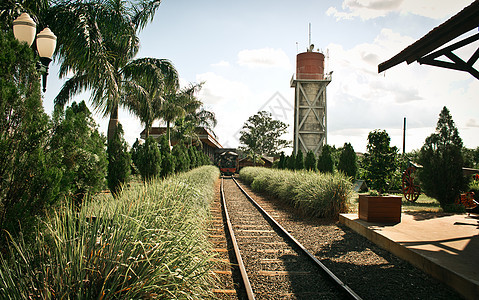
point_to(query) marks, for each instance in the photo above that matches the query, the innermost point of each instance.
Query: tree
(282, 161)
(182, 159)
(325, 160)
(149, 159)
(310, 161)
(441, 176)
(167, 159)
(299, 163)
(145, 80)
(29, 175)
(380, 160)
(176, 104)
(261, 135)
(348, 161)
(291, 162)
(119, 162)
(80, 150)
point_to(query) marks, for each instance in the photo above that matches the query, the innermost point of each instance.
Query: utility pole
(404, 137)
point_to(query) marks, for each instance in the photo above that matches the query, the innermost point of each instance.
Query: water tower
(310, 109)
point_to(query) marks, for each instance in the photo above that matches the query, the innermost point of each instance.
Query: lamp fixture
(24, 29)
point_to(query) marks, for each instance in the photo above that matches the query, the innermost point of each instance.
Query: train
(228, 163)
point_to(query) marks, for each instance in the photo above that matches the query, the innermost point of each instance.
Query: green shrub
(348, 163)
(29, 174)
(315, 194)
(81, 151)
(119, 162)
(325, 160)
(441, 157)
(299, 163)
(380, 162)
(149, 159)
(310, 161)
(150, 242)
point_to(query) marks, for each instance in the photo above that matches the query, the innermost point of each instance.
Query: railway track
(272, 264)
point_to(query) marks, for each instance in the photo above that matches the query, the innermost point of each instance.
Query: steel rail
(345, 288)
(239, 260)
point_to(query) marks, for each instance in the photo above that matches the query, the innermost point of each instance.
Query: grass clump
(315, 194)
(150, 242)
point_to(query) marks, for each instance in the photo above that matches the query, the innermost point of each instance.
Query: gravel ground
(370, 271)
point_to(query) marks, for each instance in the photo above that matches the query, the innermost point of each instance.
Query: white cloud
(361, 100)
(472, 123)
(265, 57)
(370, 9)
(221, 63)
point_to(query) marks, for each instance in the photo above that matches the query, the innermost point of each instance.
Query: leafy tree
(282, 161)
(29, 176)
(193, 160)
(149, 159)
(299, 163)
(177, 103)
(291, 162)
(146, 78)
(441, 176)
(81, 151)
(261, 135)
(310, 161)
(119, 162)
(348, 161)
(325, 160)
(380, 161)
(182, 158)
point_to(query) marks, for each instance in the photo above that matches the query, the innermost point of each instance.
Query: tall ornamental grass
(315, 194)
(150, 242)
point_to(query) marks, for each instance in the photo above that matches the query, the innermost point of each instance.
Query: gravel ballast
(369, 270)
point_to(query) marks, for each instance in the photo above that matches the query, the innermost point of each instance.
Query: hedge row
(315, 194)
(150, 242)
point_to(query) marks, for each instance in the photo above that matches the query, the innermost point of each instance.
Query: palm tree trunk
(168, 133)
(112, 124)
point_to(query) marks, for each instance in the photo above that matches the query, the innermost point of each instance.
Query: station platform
(446, 246)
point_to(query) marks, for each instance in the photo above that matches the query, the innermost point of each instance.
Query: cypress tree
(291, 161)
(299, 163)
(441, 176)
(348, 161)
(149, 159)
(282, 161)
(325, 160)
(118, 162)
(310, 161)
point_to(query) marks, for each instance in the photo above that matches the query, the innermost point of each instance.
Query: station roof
(465, 21)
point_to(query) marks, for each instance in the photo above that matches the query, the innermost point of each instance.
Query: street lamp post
(24, 29)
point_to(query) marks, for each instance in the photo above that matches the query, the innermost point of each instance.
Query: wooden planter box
(380, 209)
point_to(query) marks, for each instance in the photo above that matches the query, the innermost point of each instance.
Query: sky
(245, 53)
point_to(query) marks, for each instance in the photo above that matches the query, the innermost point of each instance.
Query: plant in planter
(380, 162)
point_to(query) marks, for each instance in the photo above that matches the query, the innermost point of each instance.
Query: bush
(150, 242)
(325, 160)
(348, 161)
(322, 195)
(81, 151)
(182, 158)
(299, 164)
(119, 162)
(380, 161)
(29, 174)
(441, 157)
(310, 161)
(149, 159)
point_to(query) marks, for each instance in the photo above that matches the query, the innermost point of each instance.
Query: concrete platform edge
(465, 287)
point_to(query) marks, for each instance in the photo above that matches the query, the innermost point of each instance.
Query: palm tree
(146, 78)
(177, 103)
(96, 40)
